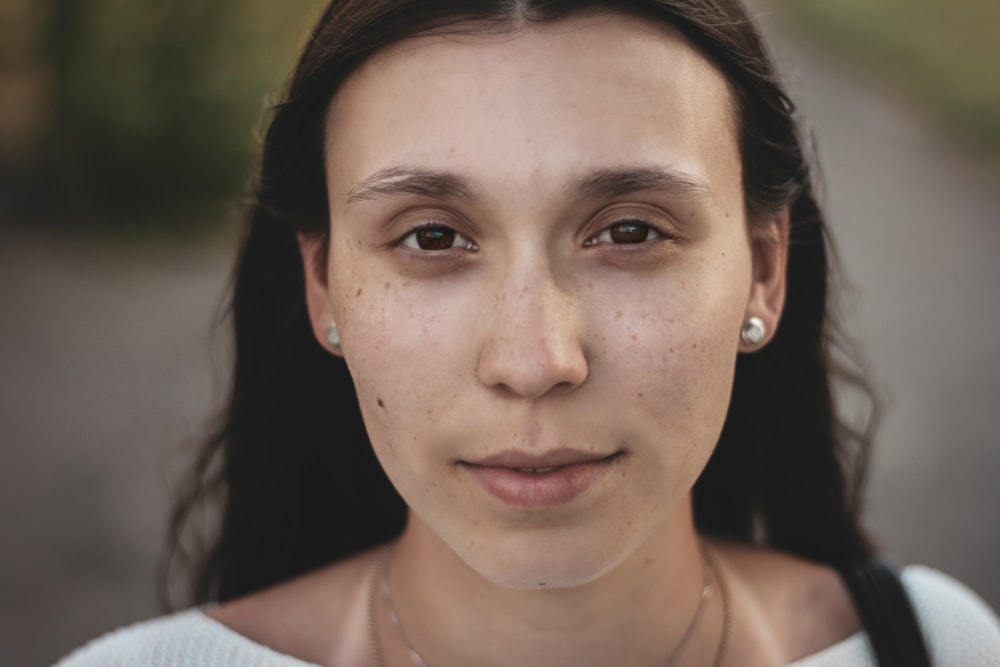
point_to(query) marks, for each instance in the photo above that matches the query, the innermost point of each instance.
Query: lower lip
(539, 490)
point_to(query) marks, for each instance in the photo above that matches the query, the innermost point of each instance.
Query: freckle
(381, 404)
(694, 346)
(406, 284)
(359, 292)
(618, 315)
(541, 584)
(633, 337)
(387, 284)
(641, 395)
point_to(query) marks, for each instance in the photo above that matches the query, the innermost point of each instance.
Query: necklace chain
(390, 611)
(380, 581)
(720, 651)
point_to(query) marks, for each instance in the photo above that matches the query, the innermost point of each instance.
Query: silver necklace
(390, 611)
(720, 651)
(380, 581)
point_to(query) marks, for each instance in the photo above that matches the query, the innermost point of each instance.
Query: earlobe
(318, 292)
(767, 293)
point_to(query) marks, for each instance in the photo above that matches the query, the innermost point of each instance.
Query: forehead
(584, 91)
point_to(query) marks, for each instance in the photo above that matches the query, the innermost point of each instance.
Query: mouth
(529, 481)
(541, 463)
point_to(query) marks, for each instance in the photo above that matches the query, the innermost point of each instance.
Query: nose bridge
(534, 344)
(538, 309)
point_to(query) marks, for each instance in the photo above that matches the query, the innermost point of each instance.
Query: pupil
(629, 232)
(435, 238)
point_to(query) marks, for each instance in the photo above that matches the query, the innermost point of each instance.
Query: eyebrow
(620, 181)
(405, 180)
(599, 184)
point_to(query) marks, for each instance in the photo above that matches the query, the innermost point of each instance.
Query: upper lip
(555, 458)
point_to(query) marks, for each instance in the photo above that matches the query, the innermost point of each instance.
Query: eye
(434, 238)
(625, 232)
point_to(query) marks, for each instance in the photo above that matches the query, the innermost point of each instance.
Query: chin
(531, 562)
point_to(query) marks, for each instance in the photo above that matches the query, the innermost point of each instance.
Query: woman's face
(539, 265)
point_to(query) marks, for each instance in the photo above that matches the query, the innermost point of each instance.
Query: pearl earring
(333, 336)
(753, 331)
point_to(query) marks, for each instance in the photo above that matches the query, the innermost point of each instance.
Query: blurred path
(105, 366)
(918, 227)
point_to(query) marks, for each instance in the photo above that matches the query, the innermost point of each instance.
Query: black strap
(886, 613)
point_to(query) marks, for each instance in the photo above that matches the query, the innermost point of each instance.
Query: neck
(637, 613)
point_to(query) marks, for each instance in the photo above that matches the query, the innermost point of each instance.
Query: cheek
(405, 358)
(676, 352)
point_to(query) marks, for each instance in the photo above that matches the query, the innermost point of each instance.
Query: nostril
(565, 387)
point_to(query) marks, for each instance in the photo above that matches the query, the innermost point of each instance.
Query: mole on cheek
(358, 293)
(381, 404)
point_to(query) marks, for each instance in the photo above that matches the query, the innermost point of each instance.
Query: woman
(544, 248)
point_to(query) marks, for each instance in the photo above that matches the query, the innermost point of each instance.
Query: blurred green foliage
(153, 107)
(944, 54)
(146, 113)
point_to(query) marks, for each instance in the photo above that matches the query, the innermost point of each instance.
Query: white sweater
(961, 631)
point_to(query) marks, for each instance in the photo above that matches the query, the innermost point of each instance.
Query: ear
(770, 269)
(313, 251)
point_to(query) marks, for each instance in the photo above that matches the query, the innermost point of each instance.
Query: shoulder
(186, 639)
(319, 617)
(790, 607)
(960, 628)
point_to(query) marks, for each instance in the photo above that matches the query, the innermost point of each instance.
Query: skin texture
(529, 319)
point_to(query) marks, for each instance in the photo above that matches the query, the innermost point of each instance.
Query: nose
(532, 345)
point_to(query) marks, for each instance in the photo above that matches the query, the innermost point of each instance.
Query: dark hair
(291, 463)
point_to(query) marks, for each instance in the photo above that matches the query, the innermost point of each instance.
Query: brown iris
(435, 238)
(629, 232)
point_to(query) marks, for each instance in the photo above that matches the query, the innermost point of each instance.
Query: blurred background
(127, 132)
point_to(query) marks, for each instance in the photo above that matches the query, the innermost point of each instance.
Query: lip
(535, 481)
